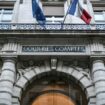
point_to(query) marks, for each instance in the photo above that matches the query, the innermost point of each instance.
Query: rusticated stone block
(22, 82)
(17, 92)
(29, 75)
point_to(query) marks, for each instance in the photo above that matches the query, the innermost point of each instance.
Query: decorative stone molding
(33, 72)
(97, 46)
(85, 71)
(53, 64)
(10, 47)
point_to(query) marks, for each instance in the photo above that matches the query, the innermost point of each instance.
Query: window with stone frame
(53, 10)
(6, 15)
(99, 17)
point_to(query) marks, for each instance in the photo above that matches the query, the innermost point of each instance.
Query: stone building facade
(66, 63)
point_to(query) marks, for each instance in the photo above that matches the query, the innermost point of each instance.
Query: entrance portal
(53, 99)
(53, 89)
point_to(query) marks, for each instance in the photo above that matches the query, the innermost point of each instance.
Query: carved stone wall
(28, 74)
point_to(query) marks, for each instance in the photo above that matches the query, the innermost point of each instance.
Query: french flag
(83, 14)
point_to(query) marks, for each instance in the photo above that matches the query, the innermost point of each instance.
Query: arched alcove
(67, 74)
(52, 86)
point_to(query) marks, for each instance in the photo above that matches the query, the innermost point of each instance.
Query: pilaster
(7, 80)
(98, 72)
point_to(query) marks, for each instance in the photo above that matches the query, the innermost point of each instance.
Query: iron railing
(25, 26)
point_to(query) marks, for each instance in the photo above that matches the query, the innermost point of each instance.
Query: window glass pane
(53, 7)
(6, 15)
(53, 10)
(99, 16)
(8, 11)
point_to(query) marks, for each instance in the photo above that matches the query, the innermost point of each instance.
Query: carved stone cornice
(10, 47)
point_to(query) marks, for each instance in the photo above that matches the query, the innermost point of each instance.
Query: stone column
(99, 81)
(7, 80)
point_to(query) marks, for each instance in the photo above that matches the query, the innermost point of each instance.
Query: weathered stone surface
(98, 65)
(7, 102)
(22, 82)
(9, 65)
(99, 80)
(29, 75)
(100, 74)
(6, 81)
(43, 69)
(47, 66)
(17, 92)
(100, 96)
(100, 101)
(92, 101)
(100, 84)
(64, 69)
(37, 70)
(100, 89)
(6, 89)
(75, 73)
(5, 84)
(90, 91)
(7, 78)
(15, 101)
(70, 70)
(59, 66)
(5, 96)
(85, 82)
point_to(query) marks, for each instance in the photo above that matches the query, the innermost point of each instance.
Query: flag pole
(64, 18)
(66, 14)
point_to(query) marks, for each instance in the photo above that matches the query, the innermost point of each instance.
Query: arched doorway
(53, 88)
(53, 98)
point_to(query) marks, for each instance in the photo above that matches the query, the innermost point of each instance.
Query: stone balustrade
(27, 26)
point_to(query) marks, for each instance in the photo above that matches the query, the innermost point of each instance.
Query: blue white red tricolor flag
(83, 14)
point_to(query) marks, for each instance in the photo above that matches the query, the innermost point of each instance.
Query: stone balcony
(25, 26)
(52, 29)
